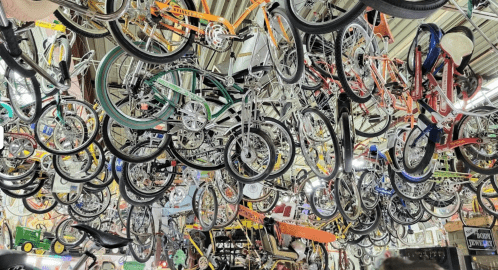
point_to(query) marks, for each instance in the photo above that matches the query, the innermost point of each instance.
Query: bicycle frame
(210, 17)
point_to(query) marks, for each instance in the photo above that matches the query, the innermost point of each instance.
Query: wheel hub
(248, 155)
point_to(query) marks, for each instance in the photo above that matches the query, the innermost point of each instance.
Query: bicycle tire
(299, 49)
(78, 29)
(89, 177)
(425, 159)
(493, 212)
(206, 188)
(32, 178)
(315, 209)
(292, 148)
(31, 170)
(335, 144)
(36, 211)
(461, 150)
(124, 190)
(5, 227)
(87, 139)
(24, 195)
(406, 9)
(460, 215)
(341, 72)
(62, 42)
(126, 45)
(128, 235)
(347, 142)
(327, 27)
(36, 95)
(371, 134)
(104, 68)
(271, 162)
(372, 227)
(340, 206)
(360, 182)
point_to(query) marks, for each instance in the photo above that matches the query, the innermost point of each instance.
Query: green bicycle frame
(191, 93)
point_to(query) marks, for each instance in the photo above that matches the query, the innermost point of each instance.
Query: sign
(478, 238)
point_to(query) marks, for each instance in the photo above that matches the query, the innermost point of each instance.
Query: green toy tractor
(30, 239)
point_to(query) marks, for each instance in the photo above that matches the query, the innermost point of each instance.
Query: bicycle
(175, 28)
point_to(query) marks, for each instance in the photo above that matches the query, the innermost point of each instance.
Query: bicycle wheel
(405, 212)
(409, 190)
(407, 9)
(13, 169)
(284, 145)
(318, 258)
(6, 239)
(120, 139)
(140, 228)
(116, 81)
(167, 40)
(321, 50)
(374, 120)
(268, 203)
(207, 207)
(67, 235)
(311, 81)
(249, 156)
(347, 142)
(428, 36)
(24, 95)
(417, 155)
(367, 222)
(81, 24)
(230, 189)
(227, 212)
(353, 48)
(347, 199)
(327, 16)
(487, 204)
(66, 128)
(366, 186)
(319, 144)
(42, 202)
(54, 53)
(285, 46)
(483, 157)
(323, 203)
(441, 204)
(152, 178)
(91, 204)
(82, 166)
(467, 213)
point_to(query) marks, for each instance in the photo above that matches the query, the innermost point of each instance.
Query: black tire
(339, 63)
(28, 182)
(363, 114)
(88, 139)
(6, 229)
(271, 162)
(36, 211)
(77, 28)
(392, 177)
(26, 193)
(360, 182)
(464, 158)
(347, 142)
(481, 198)
(373, 226)
(467, 32)
(270, 206)
(426, 158)
(335, 144)
(128, 235)
(315, 209)
(124, 189)
(89, 177)
(137, 191)
(126, 45)
(309, 76)
(35, 93)
(490, 226)
(406, 9)
(299, 49)
(126, 156)
(27, 248)
(52, 247)
(327, 27)
(337, 198)
(205, 226)
(292, 148)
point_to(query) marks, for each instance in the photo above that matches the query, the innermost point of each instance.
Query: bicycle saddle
(457, 45)
(103, 239)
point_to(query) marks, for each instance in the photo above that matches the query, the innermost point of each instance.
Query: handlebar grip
(65, 71)
(14, 65)
(11, 40)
